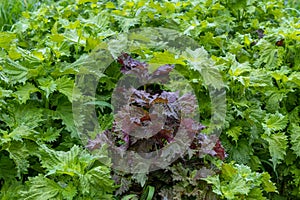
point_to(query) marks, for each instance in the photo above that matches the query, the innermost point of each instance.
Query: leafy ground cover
(11, 11)
(253, 44)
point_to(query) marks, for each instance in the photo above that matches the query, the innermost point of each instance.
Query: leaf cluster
(254, 44)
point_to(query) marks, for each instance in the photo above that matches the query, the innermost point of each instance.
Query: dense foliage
(11, 10)
(255, 46)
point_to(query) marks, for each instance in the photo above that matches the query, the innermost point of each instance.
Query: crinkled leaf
(295, 138)
(16, 73)
(48, 85)
(28, 115)
(41, 187)
(277, 147)
(200, 62)
(267, 183)
(228, 171)
(162, 58)
(215, 181)
(23, 92)
(65, 86)
(6, 39)
(77, 163)
(234, 132)
(275, 122)
(140, 178)
(19, 154)
(65, 113)
(11, 190)
(235, 187)
(256, 194)
(50, 135)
